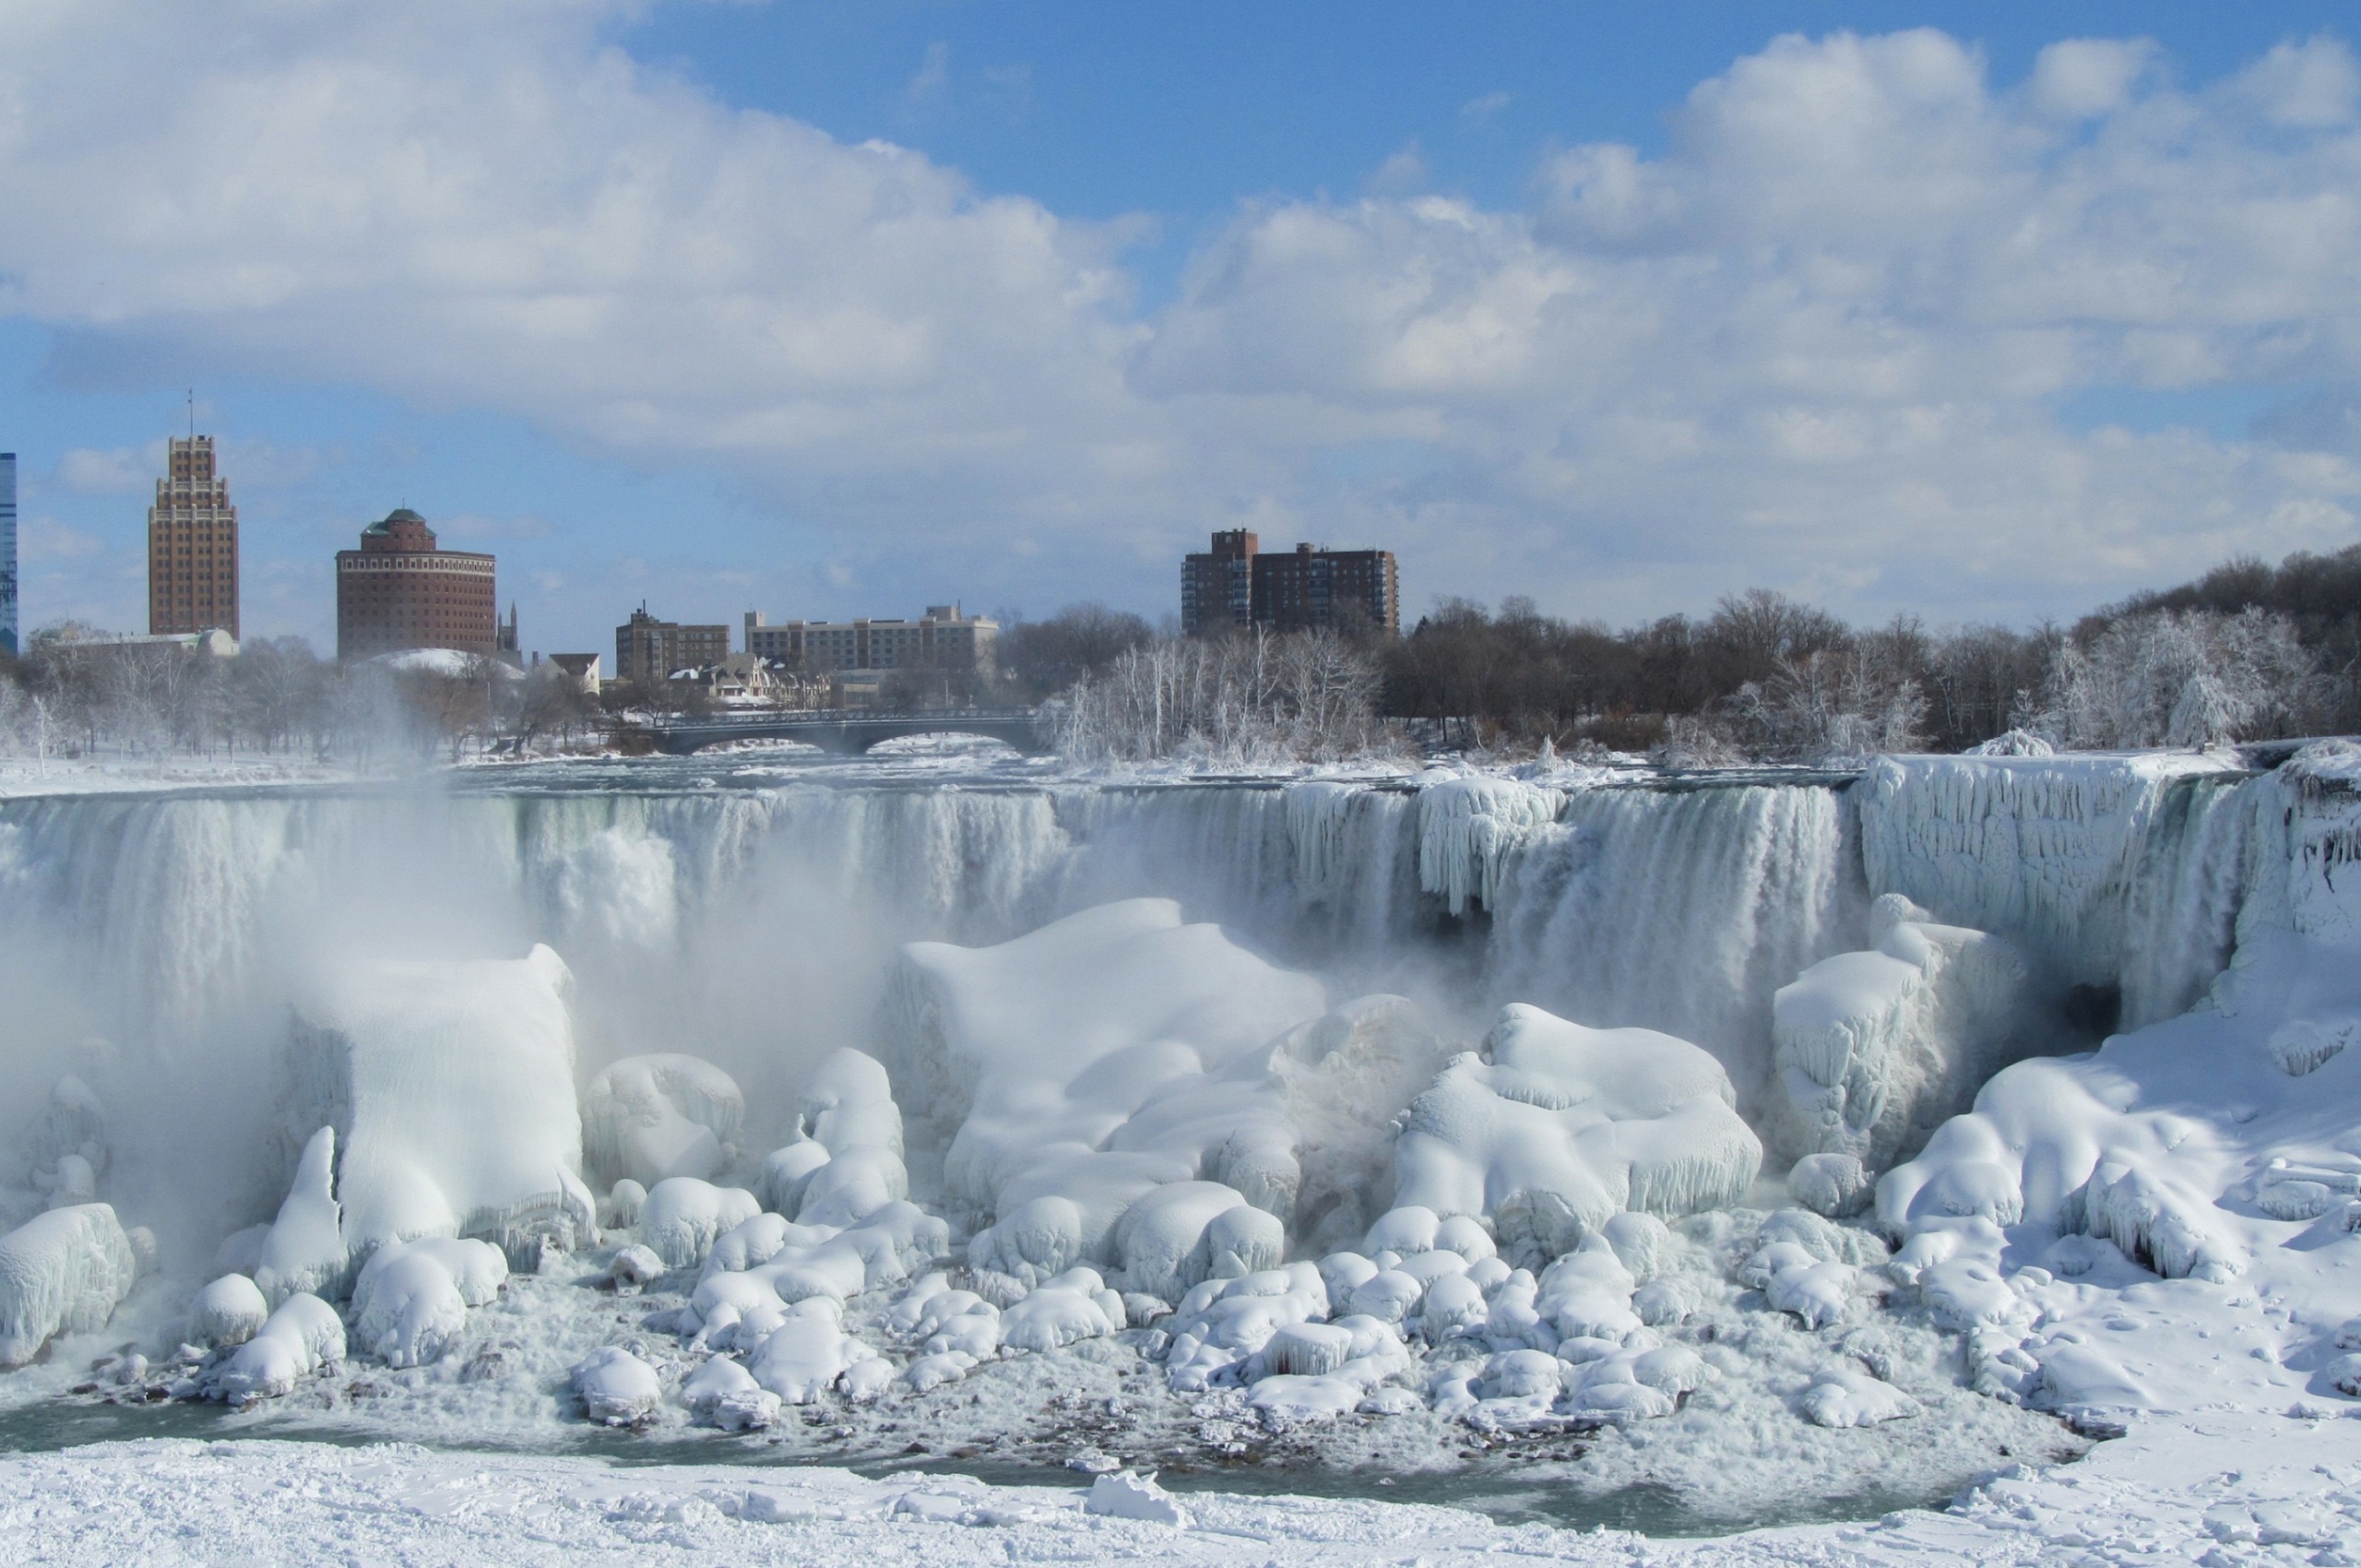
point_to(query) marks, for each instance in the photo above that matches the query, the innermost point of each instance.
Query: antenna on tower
(192, 413)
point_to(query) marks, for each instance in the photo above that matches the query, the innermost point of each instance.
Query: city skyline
(1620, 317)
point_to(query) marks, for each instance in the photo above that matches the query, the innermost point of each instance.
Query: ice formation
(449, 1088)
(1875, 1049)
(410, 1303)
(645, 1118)
(60, 1272)
(1555, 1128)
(229, 1312)
(303, 1335)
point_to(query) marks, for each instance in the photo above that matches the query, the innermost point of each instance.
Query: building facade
(400, 591)
(1307, 589)
(9, 632)
(192, 545)
(1218, 585)
(648, 650)
(941, 639)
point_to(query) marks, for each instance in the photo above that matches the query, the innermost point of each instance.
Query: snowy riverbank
(2220, 1489)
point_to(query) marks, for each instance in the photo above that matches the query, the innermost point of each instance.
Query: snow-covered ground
(115, 773)
(1784, 1240)
(2218, 1489)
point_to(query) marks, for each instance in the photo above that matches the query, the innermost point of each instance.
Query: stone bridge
(850, 735)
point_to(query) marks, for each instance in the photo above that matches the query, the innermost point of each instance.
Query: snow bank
(61, 1272)
(1874, 1049)
(1554, 1128)
(450, 1091)
(649, 1117)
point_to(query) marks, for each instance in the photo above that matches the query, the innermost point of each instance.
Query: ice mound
(450, 1091)
(616, 1387)
(806, 1355)
(303, 1336)
(1074, 1071)
(816, 1262)
(1465, 827)
(1847, 1398)
(410, 1302)
(1220, 1323)
(1044, 1046)
(684, 1217)
(2050, 1141)
(1872, 1050)
(847, 1116)
(303, 1253)
(229, 1312)
(1554, 1128)
(61, 1272)
(649, 1117)
(1344, 1077)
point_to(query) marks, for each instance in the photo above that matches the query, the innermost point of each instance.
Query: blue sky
(1619, 309)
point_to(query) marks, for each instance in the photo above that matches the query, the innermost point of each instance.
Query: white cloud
(1483, 107)
(47, 539)
(117, 472)
(1818, 343)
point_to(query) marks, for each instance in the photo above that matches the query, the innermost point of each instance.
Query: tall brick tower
(191, 546)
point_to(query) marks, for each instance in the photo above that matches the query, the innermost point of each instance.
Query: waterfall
(1679, 909)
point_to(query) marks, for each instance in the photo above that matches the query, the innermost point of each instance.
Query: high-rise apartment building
(399, 591)
(648, 650)
(8, 632)
(192, 545)
(1236, 583)
(1218, 585)
(941, 639)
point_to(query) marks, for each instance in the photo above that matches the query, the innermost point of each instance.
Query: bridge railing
(846, 716)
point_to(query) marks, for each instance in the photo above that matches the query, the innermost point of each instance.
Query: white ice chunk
(650, 1117)
(1127, 1496)
(410, 1303)
(617, 1387)
(61, 1272)
(803, 1358)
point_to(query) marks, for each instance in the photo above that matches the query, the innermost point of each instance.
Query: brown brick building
(648, 650)
(1235, 584)
(191, 546)
(399, 591)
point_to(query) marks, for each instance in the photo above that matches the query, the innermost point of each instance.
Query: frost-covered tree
(2179, 678)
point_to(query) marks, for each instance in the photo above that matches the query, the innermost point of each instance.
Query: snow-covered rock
(303, 1253)
(61, 1272)
(645, 1118)
(1847, 1398)
(1556, 1128)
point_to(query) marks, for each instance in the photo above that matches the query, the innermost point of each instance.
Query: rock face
(60, 1273)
